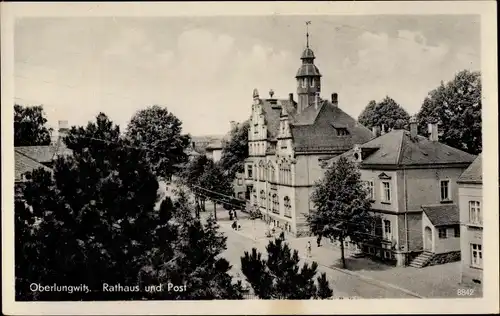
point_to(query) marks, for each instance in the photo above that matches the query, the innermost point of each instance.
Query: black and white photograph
(322, 152)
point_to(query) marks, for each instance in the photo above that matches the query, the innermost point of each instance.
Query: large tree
(456, 107)
(280, 276)
(29, 126)
(215, 185)
(342, 206)
(387, 112)
(160, 131)
(94, 222)
(235, 150)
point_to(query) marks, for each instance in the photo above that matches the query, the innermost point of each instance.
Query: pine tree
(279, 276)
(94, 222)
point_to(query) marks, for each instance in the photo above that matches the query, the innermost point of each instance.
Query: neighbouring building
(412, 182)
(29, 158)
(214, 150)
(470, 194)
(287, 139)
(200, 143)
(46, 154)
(239, 186)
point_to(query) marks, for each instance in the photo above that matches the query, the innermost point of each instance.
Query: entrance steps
(422, 260)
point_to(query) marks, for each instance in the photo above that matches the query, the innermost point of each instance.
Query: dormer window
(342, 132)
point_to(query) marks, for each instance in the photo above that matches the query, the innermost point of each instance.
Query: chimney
(335, 100)
(413, 127)
(376, 131)
(63, 129)
(433, 132)
(382, 132)
(290, 97)
(271, 93)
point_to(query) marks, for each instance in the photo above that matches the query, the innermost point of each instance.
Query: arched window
(272, 177)
(276, 204)
(304, 82)
(312, 82)
(262, 198)
(288, 206)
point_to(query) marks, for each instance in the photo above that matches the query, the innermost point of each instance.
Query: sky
(204, 69)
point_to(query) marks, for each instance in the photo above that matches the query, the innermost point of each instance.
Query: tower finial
(307, 33)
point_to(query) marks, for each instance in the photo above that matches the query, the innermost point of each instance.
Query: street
(344, 285)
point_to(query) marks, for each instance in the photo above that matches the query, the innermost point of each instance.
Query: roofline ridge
(33, 159)
(400, 149)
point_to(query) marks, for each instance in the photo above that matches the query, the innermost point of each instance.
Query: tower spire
(307, 33)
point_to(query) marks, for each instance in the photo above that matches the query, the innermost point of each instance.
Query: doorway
(428, 239)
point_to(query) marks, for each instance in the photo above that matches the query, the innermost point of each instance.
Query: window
(371, 190)
(273, 174)
(240, 181)
(475, 212)
(288, 206)
(276, 204)
(386, 191)
(342, 132)
(387, 229)
(476, 255)
(312, 82)
(456, 232)
(445, 190)
(442, 233)
(304, 82)
(262, 198)
(250, 171)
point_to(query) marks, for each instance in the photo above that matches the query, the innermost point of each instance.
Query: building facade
(470, 193)
(412, 183)
(287, 141)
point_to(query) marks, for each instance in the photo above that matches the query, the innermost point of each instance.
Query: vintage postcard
(249, 158)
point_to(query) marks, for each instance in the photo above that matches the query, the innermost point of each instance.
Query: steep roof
(272, 111)
(442, 214)
(399, 149)
(23, 164)
(473, 174)
(215, 144)
(315, 129)
(44, 154)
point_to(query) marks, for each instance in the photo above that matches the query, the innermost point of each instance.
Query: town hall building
(287, 141)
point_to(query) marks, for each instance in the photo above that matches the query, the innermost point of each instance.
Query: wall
(423, 185)
(307, 170)
(373, 175)
(469, 233)
(449, 244)
(414, 227)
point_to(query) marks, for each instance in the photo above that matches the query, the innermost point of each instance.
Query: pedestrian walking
(318, 241)
(230, 215)
(235, 216)
(308, 249)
